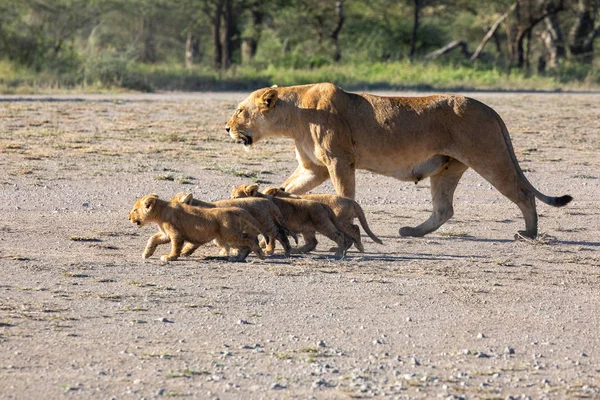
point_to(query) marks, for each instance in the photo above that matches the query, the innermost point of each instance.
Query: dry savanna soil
(467, 311)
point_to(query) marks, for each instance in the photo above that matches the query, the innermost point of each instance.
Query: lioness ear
(251, 190)
(267, 100)
(186, 198)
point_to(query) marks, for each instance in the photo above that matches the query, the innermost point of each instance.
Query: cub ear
(251, 190)
(186, 198)
(150, 201)
(267, 100)
(270, 191)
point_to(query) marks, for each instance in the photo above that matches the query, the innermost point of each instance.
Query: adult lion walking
(408, 138)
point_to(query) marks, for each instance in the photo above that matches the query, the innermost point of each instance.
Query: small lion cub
(304, 217)
(179, 223)
(344, 208)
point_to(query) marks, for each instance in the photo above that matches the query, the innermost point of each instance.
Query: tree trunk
(149, 54)
(528, 16)
(583, 33)
(448, 48)
(554, 41)
(491, 33)
(339, 16)
(229, 27)
(216, 34)
(413, 40)
(250, 43)
(189, 51)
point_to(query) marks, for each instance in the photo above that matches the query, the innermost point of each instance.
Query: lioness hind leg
(443, 185)
(524, 198)
(504, 177)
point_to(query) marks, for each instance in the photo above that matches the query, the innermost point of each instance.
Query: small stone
(243, 322)
(583, 354)
(277, 386)
(377, 341)
(509, 350)
(545, 381)
(319, 383)
(321, 343)
(414, 361)
(160, 392)
(85, 204)
(481, 336)
(408, 319)
(164, 320)
(481, 355)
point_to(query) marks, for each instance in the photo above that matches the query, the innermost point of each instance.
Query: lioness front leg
(443, 185)
(343, 176)
(307, 176)
(155, 240)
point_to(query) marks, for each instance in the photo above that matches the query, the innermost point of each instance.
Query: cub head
(244, 191)
(182, 198)
(251, 120)
(141, 209)
(277, 192)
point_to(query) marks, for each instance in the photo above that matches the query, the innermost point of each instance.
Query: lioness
(306, 218)
(181, 223)
(265, 212)
(345, 210)
(408, 138)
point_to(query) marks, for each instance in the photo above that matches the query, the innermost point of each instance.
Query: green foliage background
(140, 45)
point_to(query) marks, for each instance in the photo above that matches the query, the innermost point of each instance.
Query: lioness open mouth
(245, 140)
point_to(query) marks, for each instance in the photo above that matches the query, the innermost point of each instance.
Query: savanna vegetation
(241, 44)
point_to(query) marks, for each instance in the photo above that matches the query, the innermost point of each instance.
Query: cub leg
(354, 232)
(310, 243)
(155, 240)
(328, 229)
(443, 185)
(188, 249)
(244, 243)
(176, 246)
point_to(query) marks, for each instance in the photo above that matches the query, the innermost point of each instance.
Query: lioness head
(142, 207)
(249, 121)
(244, 191)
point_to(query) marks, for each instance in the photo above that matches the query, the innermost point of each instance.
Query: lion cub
(344, 208)
(265, 212)
(181, 223)
(304, 217)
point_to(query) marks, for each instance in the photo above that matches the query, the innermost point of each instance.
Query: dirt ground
(464, 312)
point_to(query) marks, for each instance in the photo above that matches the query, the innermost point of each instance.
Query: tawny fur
(179, 223)
(408, 138)
(304, 217)
(265, 212)
(345, 210)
